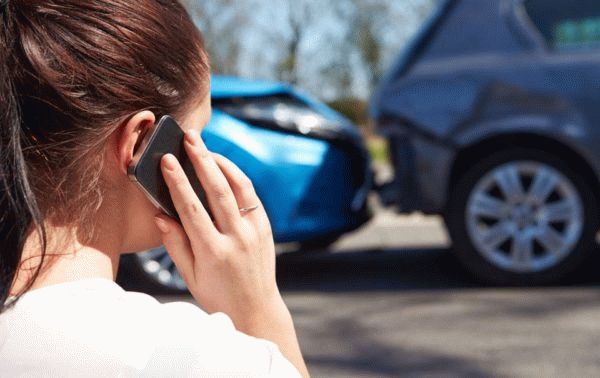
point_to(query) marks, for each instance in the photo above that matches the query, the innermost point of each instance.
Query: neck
(68, 258)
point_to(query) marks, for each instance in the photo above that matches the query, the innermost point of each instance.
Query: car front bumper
(310, 187)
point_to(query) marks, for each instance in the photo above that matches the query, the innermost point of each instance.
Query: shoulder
(194, 342)
(124, 328)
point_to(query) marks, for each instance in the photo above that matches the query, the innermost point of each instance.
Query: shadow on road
(393, 269)
(371, 357)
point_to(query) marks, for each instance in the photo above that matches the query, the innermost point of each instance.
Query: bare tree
(367, 41)
(299, 18)
(334, 48)
(221, 22)
(338, 72)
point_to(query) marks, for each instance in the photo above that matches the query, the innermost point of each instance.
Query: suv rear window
(567, 24)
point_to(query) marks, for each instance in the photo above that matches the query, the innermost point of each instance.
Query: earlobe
(131, 135)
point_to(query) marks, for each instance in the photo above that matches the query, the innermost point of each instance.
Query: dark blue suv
(493, 119)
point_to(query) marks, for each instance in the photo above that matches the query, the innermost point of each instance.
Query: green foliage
(352, 108)
(378, 149)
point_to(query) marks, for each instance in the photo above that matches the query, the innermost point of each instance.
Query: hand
(228, 265)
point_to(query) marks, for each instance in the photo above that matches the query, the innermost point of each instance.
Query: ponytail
(18, 206)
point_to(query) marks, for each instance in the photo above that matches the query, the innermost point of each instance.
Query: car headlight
(283, 112)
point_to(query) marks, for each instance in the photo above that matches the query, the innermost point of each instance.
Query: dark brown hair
(71, 72)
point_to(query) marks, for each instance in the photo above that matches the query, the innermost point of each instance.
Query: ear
(132, 133)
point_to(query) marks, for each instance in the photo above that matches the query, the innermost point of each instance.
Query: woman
(81, 84)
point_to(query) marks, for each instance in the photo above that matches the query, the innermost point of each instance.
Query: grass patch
(378, 149)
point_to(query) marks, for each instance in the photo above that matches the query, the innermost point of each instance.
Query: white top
(94, 328)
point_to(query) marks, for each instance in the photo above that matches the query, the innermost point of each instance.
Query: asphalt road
(390, 300)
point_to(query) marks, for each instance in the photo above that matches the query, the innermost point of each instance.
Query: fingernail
(191, 136)
(162, 225)
(170, 162)
(194, 139)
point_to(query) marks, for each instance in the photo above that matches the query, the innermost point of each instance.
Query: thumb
(177, 244)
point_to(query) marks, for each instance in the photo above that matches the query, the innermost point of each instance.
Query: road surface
(390, 300)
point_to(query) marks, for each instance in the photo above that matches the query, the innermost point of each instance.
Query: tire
(512, 238)
(133, 274)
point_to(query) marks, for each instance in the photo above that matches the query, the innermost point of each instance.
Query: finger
(194, 217)
(218, 192)
(178, 246)
(240, 183)
(245, 193)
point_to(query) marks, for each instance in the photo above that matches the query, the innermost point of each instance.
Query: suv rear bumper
(422, 167)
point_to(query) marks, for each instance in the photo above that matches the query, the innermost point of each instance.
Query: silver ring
(248, 209)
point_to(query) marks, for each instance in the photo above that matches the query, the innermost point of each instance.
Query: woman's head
(74, 77)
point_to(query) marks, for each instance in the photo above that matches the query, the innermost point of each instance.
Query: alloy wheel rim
(157, 264)
(524, 216)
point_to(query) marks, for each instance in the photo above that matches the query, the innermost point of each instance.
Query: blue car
(309, 166)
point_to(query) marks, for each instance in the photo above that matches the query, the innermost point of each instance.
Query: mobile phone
(165, 137)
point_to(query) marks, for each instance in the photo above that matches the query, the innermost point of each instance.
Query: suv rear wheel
(522, 216)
